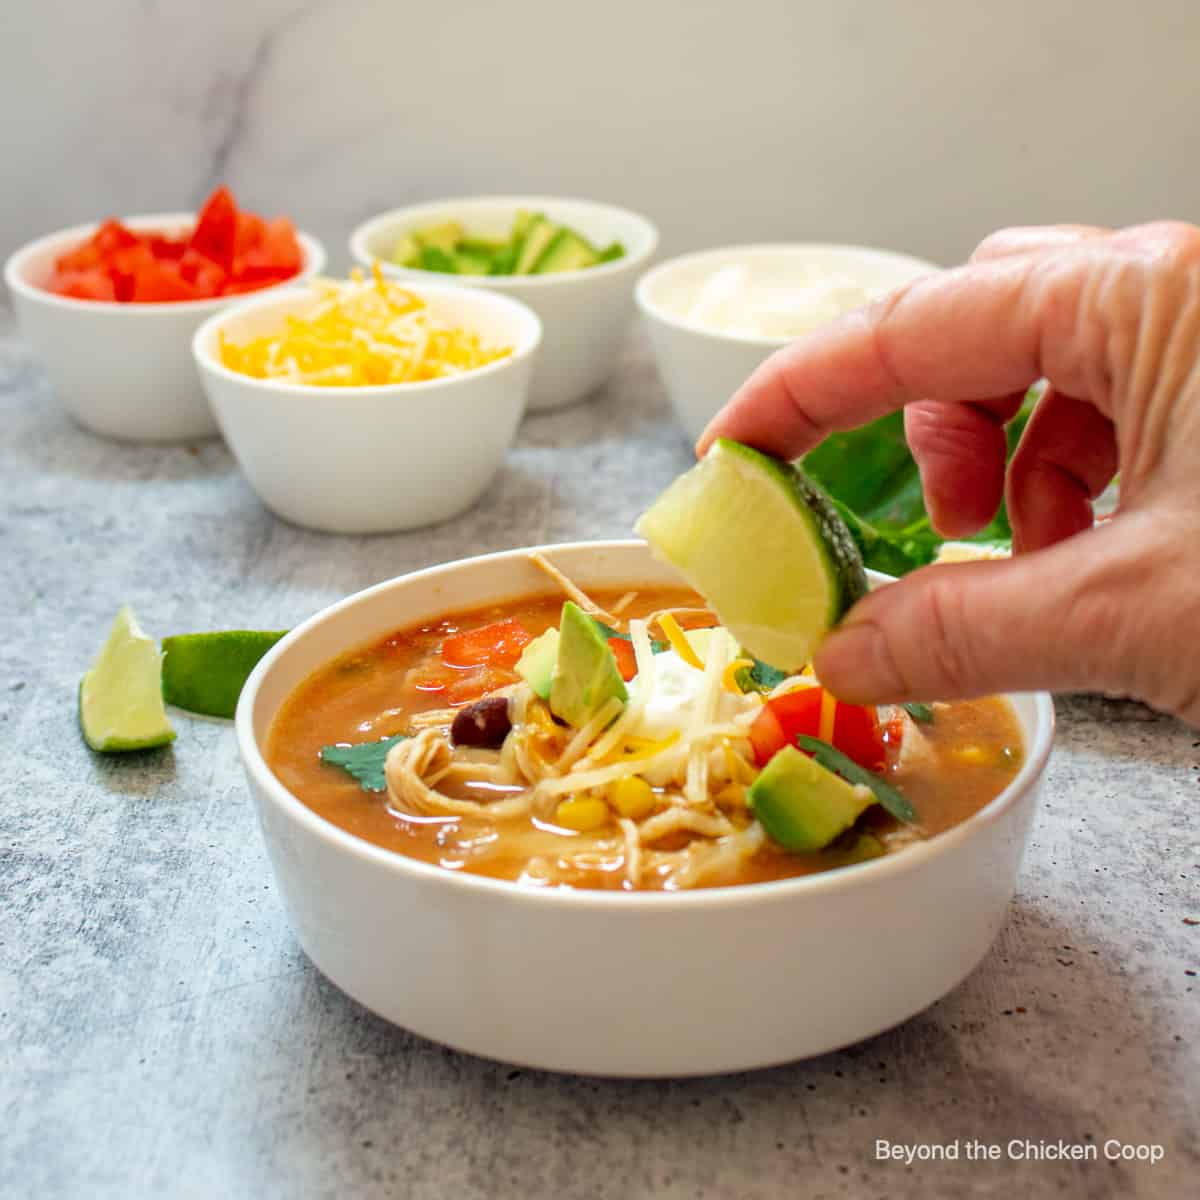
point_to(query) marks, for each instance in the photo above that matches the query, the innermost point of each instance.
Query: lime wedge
(205, 672)
(120, 698)
(764, 546)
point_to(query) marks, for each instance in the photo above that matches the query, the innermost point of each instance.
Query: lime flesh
(765, 548)
(205, 672)
(120, 698)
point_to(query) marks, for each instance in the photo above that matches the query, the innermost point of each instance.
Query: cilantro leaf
(363, 760)
(656, 646)
(921, 713)
(835, 761)
(759, 676)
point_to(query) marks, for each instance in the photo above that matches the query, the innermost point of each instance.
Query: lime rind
(120, 698)
(764, 546)
(205, 672)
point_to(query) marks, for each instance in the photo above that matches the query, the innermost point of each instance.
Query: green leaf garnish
(363, 760)
(759, 676)
(874, 482)
(921, 713)
(656, 646)
(834, 760)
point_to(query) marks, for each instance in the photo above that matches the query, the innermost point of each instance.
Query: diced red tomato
(206, 276)
(227, 252)
(856, 733)
(248, 232)
(215, 235)
(498, 644)
(85, 285)
(157, 282)
(856, 730)
(626, 659)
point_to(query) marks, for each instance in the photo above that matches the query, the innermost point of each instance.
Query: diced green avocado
(407, 252)
(567, 251)
(445, 236)
(802, 805)
(523, 223)
(858, 848)
(536, 664)
(470, 260)
(539, 236)
(504, 261)
(434, 258)
(585, 671)
(611, 251)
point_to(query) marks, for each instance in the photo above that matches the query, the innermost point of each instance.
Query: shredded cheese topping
(361, 333)
(679, 643)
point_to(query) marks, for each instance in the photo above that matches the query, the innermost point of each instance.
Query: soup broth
(948, 767)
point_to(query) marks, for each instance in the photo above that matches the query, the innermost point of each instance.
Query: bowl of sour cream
(715, 315)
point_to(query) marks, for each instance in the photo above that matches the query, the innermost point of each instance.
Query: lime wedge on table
(764, 546)
(204, 672)
(120, 698)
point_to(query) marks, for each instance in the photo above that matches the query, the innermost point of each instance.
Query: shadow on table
(1002, 1057)
(134, 772)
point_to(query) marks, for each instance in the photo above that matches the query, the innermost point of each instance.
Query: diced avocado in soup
(693, 776)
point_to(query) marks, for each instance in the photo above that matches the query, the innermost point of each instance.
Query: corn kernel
(974, 756)
(584, 814)
(632, 797)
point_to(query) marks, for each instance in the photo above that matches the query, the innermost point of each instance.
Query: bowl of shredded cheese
(367, 405)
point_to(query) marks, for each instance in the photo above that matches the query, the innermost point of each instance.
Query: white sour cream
(783, 301)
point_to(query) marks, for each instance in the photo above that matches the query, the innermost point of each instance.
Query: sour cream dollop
(782, 302)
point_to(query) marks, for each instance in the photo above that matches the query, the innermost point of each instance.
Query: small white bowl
(373, 459)
(701, 367)
(585, 314)
(613, 983)
(124, 370)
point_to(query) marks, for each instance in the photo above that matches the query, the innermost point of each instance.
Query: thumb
(1092, 613)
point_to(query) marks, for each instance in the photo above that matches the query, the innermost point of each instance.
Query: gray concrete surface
(162, 1035)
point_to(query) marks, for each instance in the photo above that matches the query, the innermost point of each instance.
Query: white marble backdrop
(919, 126)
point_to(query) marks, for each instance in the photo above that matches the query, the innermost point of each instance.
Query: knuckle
(946, 652)
(1176, 242)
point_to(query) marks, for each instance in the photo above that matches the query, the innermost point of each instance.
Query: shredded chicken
(413, 762)
(678, 819)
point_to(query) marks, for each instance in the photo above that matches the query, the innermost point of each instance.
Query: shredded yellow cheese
(828, 716)
(679, 643)
(361, 333)
(729, 678)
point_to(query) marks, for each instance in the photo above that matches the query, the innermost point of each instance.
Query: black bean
(484, 723)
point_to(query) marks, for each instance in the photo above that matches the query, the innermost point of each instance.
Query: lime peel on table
(205, 672)
(120, 698)
(764, 546)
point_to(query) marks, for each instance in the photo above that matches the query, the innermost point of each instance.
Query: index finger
(968, 334)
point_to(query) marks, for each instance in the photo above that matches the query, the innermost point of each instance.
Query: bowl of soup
(465, 862)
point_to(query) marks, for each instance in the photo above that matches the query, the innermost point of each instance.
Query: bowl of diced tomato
(111, 309)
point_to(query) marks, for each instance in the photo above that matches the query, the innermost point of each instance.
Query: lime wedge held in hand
(205, 672)
(120, 698)
(764, 546)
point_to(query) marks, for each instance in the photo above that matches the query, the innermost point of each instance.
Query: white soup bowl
(616, 983)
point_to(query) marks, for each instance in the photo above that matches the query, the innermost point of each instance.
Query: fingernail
(854, 664)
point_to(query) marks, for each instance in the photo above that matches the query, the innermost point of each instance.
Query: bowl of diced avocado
(574, 262)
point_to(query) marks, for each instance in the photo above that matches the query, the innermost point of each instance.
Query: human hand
(1112, 320)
